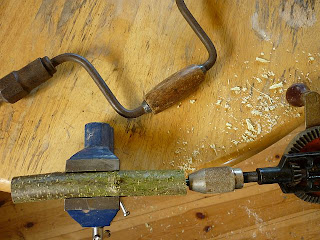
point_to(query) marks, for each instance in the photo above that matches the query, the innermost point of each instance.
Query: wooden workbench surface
(263, 47)
(255, 212)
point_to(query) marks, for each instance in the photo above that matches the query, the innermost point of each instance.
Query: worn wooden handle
(174, 88)
(97, 184)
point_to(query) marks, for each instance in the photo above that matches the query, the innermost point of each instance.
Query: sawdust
(149, 227)
(186, 166)
(259, 222)
(260, 96)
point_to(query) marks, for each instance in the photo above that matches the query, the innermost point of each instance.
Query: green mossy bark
(97, 184)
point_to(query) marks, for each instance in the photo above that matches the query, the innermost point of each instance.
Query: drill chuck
(216, 180)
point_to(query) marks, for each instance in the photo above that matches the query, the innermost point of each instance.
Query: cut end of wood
(5, 185)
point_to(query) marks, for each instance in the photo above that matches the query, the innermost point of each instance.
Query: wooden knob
(295, 94)
(174, 88)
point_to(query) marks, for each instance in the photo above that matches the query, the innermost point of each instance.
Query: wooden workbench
(255, 212)
(263, 47)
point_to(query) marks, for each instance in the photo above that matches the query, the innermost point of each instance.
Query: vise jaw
(97, 156)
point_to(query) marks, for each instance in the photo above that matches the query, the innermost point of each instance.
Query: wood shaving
(277, 85)
(262, 60)
(250, 134)
(270, 73)
(259, 128)
(245, 99)
(255, 112)
(195, 153)
(311, 58)
(249, 125)
(236, 89)
(213, 146)
(218, 102)
(235, 142)
(258, 79)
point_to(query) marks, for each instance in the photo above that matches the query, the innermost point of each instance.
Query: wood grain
(135, 45)
(254, 212)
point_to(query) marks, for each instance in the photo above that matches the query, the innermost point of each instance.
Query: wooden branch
(97, 184)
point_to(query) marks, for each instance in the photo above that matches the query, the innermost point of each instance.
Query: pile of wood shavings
(265, 106)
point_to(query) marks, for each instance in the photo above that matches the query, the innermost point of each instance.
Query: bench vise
(97, 156)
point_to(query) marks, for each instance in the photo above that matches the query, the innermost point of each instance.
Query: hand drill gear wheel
(306, 141)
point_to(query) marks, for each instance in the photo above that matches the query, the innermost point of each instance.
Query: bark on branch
(97, 184)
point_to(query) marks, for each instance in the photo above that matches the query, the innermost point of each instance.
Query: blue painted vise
(97, 156)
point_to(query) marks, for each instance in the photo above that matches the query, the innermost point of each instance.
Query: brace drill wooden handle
(174, 88)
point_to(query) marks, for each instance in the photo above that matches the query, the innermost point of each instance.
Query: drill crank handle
(113, 101)
(299, 95)
(200, 33)
(181, 84)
